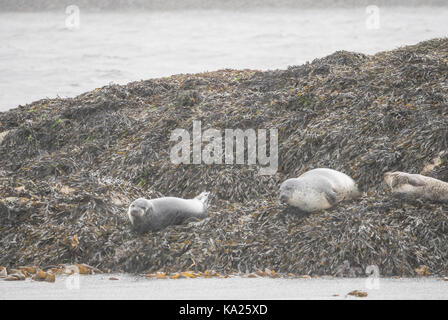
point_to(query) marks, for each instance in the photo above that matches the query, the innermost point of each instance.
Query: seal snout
(286, 191)
(137, 209)
(134, 212)
(283, 198)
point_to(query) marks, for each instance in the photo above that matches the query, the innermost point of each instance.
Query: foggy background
(31, 5)
(64, 48)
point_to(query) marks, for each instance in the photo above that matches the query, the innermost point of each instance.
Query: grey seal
(156, 214)
(416, 185)
(318, 189)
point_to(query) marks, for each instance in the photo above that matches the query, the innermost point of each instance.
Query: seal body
(318, 189)
(416, 185)
(156, 214)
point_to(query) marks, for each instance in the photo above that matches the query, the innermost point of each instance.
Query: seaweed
(70, 168)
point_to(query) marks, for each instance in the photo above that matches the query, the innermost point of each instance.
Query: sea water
(42, 55)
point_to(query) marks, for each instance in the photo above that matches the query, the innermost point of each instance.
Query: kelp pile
(48, 275)
(70, 167)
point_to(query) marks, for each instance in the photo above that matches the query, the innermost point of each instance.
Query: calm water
(132, 287)
(40, 57)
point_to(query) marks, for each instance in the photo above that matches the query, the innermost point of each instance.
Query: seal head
(203, 198)
(140, 212)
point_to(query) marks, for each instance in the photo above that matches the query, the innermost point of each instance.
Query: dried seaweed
(70, 167)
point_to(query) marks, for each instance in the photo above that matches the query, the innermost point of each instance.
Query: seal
(318, 189)
(156, 214)
(3, 135)
(416, 185)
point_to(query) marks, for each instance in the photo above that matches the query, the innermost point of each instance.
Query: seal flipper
(416, 181)
(331, 197)
(401, 179)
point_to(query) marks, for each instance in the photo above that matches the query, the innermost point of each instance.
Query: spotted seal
(156, 214)
(416, 185)
(318, 189)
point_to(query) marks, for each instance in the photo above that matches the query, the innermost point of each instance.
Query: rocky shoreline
(70, 167)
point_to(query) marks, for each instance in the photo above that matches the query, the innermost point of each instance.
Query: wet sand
(137, 287)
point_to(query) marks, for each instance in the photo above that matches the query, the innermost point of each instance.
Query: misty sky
(30, 5)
